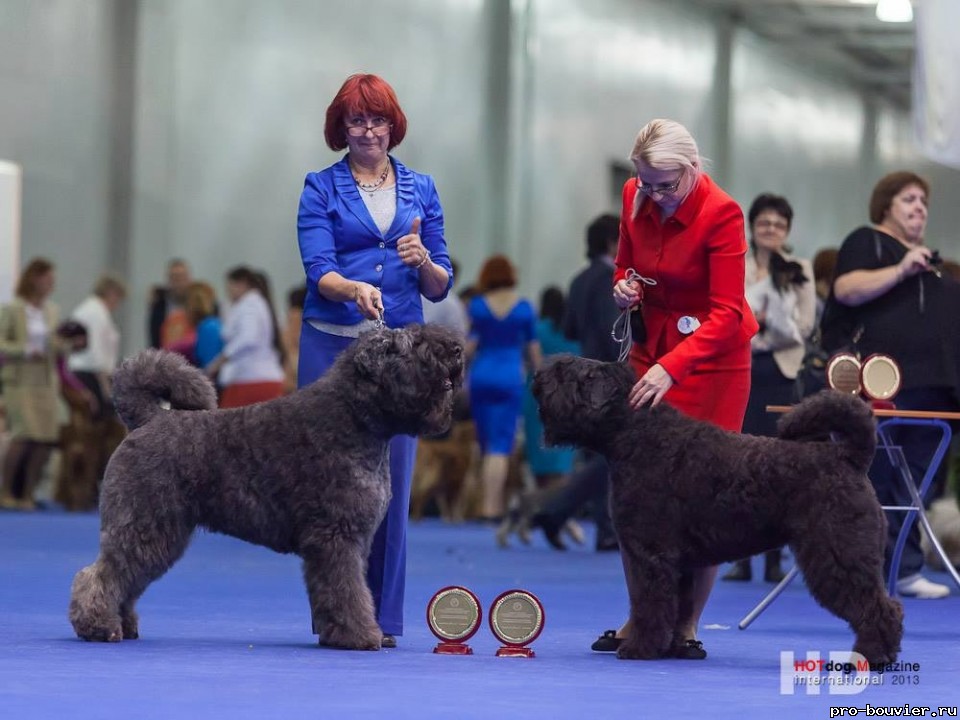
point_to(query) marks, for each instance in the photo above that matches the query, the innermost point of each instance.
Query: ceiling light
(896, 11)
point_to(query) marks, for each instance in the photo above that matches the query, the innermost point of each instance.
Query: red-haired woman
(503, 331)
(371, 241)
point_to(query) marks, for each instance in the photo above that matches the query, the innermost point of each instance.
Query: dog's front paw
(112, 634)
(338, 636)
(636, 651)
(131, 628)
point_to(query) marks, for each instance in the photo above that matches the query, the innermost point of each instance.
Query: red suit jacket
(696, 258)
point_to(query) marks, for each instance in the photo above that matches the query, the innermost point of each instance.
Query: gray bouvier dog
(306, 474)
(686, 494)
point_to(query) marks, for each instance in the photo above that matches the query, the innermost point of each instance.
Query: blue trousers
(387, 564)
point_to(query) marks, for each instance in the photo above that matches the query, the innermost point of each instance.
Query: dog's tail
(834, 415)
(144, 384)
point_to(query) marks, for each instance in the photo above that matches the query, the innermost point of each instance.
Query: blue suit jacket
(337, 233)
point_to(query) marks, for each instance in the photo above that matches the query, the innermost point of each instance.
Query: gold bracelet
(426, 256)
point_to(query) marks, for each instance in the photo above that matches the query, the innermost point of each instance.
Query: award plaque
(843, 373)
(881, 379)
(516, 618)
(454, 616)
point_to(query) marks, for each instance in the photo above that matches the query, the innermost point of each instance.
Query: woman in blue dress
(503, 336)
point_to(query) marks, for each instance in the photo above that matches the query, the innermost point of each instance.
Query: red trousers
(241, 394)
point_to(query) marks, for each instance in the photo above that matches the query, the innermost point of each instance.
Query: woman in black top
(889, 294)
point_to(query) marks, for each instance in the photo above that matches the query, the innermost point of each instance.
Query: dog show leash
(622, 332)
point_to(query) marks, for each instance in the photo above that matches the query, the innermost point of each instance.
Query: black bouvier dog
(687, 494)
(306, 474)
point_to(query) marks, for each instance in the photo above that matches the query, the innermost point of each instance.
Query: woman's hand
(650, 388)
(626, 293)
(213, 367)
(369, 300)
(914, 262)
(410, 247)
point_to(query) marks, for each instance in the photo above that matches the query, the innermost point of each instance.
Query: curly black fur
(687, 494)
(305, 474)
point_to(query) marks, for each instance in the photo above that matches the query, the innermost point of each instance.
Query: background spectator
(503, 335)
(166, 317)
(29, 348)
(250, 365)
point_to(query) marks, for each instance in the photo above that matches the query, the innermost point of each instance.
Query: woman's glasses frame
(379, 128)
(662, 189)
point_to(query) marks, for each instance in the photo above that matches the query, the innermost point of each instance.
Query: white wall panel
(233, 95)
(54, 99)
(596, 72)
(799, 136)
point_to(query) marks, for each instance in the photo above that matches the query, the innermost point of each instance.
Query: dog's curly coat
(305, 474)
(687, 494)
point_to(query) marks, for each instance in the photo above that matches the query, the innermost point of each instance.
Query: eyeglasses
(781, 225)
(662, 189)
(379, 128)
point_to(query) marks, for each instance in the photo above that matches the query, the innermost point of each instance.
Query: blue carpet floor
(226, 634)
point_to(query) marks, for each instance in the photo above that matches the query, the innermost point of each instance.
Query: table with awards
(878, 379)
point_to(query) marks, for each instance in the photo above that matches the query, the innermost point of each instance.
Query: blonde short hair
(109, 283)
(665, 145)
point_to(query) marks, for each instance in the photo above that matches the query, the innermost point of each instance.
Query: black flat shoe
(389, 642)
(608, 545)
(689, 650)
(608, 642)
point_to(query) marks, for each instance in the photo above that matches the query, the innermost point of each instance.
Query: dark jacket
(156, 315)
(591, 311)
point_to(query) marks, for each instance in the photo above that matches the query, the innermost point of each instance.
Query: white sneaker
(919, 587)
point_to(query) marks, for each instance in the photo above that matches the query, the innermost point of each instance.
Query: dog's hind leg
(104, 594)
(653, 584)
(340, 601)
(95, 602)
(843, 569)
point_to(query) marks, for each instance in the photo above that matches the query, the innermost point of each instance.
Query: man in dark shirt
(589, 318)
(166, 317)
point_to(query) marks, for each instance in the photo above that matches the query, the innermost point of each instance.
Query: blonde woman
(29, 348)
(681, 255)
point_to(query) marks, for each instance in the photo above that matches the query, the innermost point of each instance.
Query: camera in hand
(935, 258)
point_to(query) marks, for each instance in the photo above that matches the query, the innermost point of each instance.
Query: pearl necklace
(371, 188)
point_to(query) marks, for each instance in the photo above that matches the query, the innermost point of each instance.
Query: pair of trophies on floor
(454, 615)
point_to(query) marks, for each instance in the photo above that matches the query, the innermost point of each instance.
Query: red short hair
(497, 272)
(362, 94)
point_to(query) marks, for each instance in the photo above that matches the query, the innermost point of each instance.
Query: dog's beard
(440, 416)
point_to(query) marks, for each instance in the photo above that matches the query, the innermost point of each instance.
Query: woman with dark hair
(889, 297)
(249, 368)
(371, 241)
(780, 292)
(548, 465)
(503, 333)
(29, 349)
